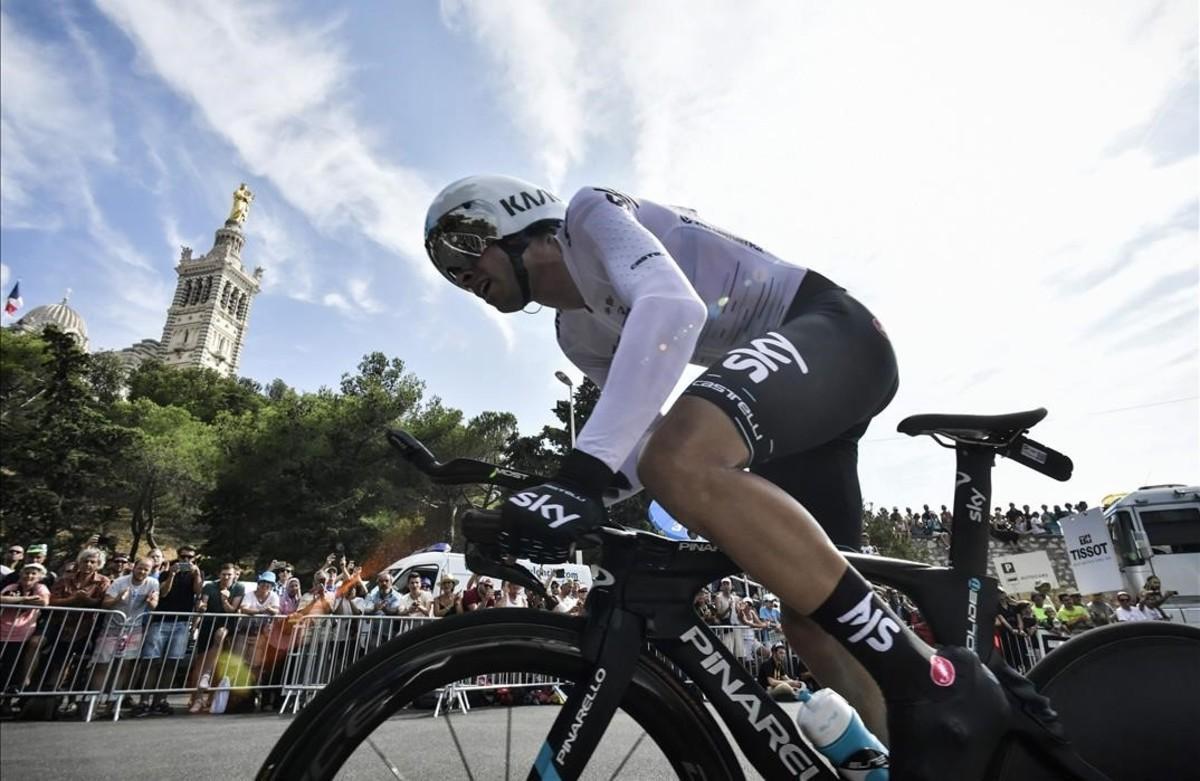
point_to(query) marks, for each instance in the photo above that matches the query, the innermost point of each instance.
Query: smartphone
(185, 566)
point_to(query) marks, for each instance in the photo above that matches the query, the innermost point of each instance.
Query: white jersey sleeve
(591, 349)
(663, 319)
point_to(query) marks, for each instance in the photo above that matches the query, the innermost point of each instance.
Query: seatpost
(972, 520)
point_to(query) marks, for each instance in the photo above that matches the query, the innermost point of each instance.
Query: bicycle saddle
(990, 429)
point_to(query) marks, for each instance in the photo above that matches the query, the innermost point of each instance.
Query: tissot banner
(1090, 551)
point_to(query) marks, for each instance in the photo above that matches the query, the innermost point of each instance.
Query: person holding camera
(167, 635)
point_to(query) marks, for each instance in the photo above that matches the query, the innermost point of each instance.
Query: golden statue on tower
(241, 204)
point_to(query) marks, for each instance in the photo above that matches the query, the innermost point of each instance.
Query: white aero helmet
(473, 213)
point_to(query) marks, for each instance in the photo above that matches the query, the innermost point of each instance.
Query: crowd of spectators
(1015, 521)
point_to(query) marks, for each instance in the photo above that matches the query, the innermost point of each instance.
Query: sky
(1012, 189)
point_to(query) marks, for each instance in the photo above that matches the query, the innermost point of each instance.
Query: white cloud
(957, 181)
(338, 302)
(51, 124)
(360, 292)
(274, 91)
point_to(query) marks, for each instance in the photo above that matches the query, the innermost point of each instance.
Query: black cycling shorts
(803, 394)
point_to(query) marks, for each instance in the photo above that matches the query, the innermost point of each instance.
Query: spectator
(947, 519)
(416, 601)
(11, 561)
(478, 594)
(1035, 524)
(158, 563)
(769, 612)
(1058, 513)
(118, 566)
(1045, 511)
(169, 630)
(1154, 586)
(1151, 604)
(289, 600)
(1073, 615)
(219, 602)
(70, 633)
(725, 601)
(581, 594)
(1043, 587)
(1100, 611)
(18, 617)
(512, 595)
(1127, 611)
(36, 554)
(447, 603)
(1081, 507)
(865, 547)
(536, 601)
(776, 678)
(383, 600)
(283, 573)
(928, 517)
(1013, 515)
(1043, 613)
(134, 595)
(566, 597)
(746, 643)
(704, 607)
(263, 601)
(1052, 526)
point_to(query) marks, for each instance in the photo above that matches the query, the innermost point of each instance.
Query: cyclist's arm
(659, 335)
(596, 369)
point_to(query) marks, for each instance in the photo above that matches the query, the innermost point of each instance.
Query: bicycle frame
(643, 591)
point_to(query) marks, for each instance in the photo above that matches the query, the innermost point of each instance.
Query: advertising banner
(1090, 551)
(1019, 572)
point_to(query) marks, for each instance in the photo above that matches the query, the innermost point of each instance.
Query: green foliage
(889, 542)
(60, 455)
(248, 473)
(202, 392)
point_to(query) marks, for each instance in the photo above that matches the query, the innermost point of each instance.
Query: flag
(14, 302)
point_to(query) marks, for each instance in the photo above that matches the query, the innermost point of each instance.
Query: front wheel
(1127, 698)
(501, 664)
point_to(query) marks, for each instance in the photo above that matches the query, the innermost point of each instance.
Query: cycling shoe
(952, 729)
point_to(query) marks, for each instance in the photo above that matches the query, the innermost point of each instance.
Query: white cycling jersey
(662, 289)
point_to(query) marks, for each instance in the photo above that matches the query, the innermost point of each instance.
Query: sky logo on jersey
(764, 357)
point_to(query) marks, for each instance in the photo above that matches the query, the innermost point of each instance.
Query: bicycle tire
(1126, 695)
(343, 714)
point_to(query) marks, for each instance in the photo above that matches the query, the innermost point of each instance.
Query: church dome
(60, 315)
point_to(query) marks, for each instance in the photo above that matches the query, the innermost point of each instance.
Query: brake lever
(480, 562)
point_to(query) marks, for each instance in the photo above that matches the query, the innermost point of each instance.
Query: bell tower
(207, 321)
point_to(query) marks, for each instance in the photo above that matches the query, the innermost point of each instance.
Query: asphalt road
(233, 747)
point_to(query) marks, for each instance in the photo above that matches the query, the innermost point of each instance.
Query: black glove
(558, 511)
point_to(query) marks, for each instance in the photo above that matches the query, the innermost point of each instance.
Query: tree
(169, 470)
(202, 392)
(60, 452)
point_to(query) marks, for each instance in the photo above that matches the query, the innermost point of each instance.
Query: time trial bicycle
(640, 658)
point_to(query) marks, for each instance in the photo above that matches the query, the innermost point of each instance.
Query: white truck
(437, 561)
(1156, 531)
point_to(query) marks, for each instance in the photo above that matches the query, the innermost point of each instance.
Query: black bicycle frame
(644, 590)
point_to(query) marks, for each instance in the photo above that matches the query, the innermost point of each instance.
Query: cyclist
(797, 368)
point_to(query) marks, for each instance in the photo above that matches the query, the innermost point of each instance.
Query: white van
(436, 561)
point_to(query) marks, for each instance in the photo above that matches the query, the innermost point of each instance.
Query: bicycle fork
(584, 719)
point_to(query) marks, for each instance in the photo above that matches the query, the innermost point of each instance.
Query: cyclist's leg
(825, 480)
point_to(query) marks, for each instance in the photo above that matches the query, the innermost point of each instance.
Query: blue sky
(1013, 191)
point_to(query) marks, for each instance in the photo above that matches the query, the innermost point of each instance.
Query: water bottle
(836, 730)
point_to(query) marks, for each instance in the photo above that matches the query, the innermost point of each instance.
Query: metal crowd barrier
(323, 646)
(93, 658)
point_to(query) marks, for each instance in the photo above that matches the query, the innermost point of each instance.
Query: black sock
(895, 657)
